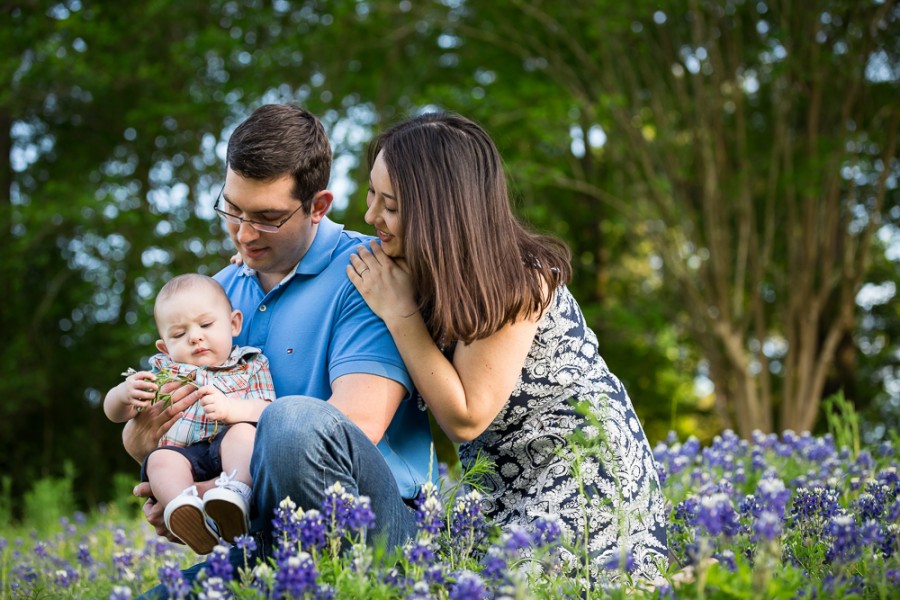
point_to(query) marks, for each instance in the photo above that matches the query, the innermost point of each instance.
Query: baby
(215, 435)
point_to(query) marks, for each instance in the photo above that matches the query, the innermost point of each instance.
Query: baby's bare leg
(236, 450)
(169, 474)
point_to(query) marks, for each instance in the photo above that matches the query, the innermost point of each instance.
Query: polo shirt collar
(320, 253)
(328, 236)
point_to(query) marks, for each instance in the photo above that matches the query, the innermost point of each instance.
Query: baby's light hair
(186, 282)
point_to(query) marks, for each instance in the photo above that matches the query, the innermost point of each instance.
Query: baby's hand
(140, 389)
(216, 405)
(237, 259)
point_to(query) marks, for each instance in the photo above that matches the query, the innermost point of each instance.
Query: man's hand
(153, 512)
(142, 433)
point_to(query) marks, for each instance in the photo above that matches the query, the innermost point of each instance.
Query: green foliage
(49, 500)
(843, 422)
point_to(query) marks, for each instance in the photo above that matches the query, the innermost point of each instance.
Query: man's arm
(142, 433)
(370, 401)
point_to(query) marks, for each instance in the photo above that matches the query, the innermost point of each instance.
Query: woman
(498, 347)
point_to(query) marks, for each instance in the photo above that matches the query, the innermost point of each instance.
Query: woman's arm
(466, 395)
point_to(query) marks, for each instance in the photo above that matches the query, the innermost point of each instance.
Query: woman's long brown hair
(476, 268)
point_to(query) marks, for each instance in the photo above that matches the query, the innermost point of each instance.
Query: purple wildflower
(717, 516)
(247, 543)
(514, 539)
(311, 530)
(420, 552)
(773, 495)
(844, 533)
(621, 561)
(286, 523)
(172, 578)
(495, 565)
(468, 518)
(547, 531)
(40, 549)
(296, 576)
(429, 512)
(360, 515)
(767, 527)
(66, 577)
(218, 565)
(120, 592)
(468, 586)
(83, 556)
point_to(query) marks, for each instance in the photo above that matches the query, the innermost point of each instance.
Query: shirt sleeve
(361, 343)
(260, 384)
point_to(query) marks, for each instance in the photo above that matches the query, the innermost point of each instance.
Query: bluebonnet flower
(336, 507)
(817, 502)
(767, 527)
(749, 506)
(547, 531)
(420, 552)
(79, 517)
(83, 556)
(515, 538)
(40, 549)
(435, 575)
(869, 506)
(429, 512)
(311, 530)
(717, 516)
(171, 577)
(119, 537)
(247, 543)
(495, 563)
(65, 577)
(217, 565)
(620, 561)
(468, 519)
(421, 591)
(360, 516)
(892, 512)
(844, 533)
(158, 546)
(212, 588)
(296, 576)
(773, 495)
(123, 561)
(727, 559)
(686, 510)
(286, 522)
(120, 592)
(468, 586)
(886, 449)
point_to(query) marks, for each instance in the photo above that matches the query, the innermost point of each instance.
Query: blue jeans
(303, 446)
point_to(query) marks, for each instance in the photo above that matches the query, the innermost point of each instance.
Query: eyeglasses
(263, 227)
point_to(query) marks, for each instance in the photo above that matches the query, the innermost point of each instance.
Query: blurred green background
(725, 173)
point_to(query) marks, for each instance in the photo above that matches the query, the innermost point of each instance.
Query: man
(320, 337)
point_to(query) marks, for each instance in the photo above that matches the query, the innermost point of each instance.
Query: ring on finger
(363, 271)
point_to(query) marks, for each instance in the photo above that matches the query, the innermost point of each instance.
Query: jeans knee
(296, 419)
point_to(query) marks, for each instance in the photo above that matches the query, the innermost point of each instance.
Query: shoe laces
(225, 478)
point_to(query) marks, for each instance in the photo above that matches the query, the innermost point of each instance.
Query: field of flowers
(790, 516)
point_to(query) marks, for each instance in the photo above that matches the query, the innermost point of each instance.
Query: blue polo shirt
(314, 327)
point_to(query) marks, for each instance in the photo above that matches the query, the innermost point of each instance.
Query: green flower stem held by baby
(164, 376)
